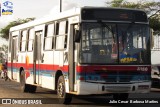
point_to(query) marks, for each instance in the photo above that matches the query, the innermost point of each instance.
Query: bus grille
(118, 88)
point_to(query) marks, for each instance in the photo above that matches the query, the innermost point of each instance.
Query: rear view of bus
(114, 52)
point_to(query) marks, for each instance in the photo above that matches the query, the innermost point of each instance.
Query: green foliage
(155, 23)
(3, 53)
(141, 4)
(116, 3)
(5, 31)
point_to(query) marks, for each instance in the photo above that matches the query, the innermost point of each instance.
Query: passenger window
(48, 39)
(61, 37)
(23, 40)
(30, 39)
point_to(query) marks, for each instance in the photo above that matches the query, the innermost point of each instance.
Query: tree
(5, 31)
(155, 23)
(3, 53)
(150, 7)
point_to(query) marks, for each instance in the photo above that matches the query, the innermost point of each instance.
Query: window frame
(58, 34)
(21, 41)
(30, 39)
(47, 36)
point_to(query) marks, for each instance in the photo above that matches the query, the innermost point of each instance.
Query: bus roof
(116, 8)
(64, 14)
(48, 18)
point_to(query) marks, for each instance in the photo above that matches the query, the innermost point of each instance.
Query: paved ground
(10, 89)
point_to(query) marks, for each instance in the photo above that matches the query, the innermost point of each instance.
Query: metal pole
(60, 5)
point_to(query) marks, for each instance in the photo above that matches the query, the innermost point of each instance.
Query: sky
(40, 8)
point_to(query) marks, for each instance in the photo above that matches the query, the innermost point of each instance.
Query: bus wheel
(120, 96)
(64, 98)
(32, 88)
(23, 86)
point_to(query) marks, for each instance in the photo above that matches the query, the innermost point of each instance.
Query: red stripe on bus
(81, 69)
(40, 66)
(93, 68)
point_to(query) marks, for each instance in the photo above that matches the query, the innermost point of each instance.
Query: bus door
(14, 57)
(72, 58)
(37, 57)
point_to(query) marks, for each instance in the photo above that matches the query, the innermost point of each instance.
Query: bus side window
(66, 35)
(61, 35)
(30, 40)
(23, 40)
(10, 39)
(49, 37)
(14, 47)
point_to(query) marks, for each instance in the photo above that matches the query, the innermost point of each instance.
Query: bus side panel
(21, 63)
(9, 66)
(47, 70)
(12, 55)
(9, 57)
(29, 67)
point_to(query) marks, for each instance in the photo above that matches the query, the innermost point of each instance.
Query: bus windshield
(106, 43)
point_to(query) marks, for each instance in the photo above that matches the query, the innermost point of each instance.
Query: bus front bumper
(88, 88)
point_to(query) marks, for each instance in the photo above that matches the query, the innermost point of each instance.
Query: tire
(5, 77)
(121, 96)
(23, 86)
(32, 88)
(63, 97)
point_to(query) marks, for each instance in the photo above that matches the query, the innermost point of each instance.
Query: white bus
(155, 60)
(84, 51)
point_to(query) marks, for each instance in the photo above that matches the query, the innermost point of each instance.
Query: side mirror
(77, 36)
